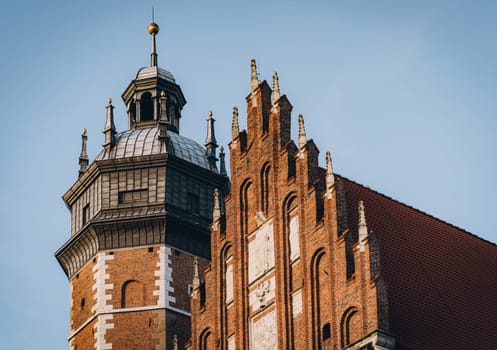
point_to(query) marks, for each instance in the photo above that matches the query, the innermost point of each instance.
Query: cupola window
(146, 107)
(132, 111)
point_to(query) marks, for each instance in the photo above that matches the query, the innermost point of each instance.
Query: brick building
(284, 254)
(302, 258)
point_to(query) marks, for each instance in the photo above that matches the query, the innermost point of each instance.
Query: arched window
(264, 191)
(132, 294)
(205, 340)
(227, 257)
(291, 220)
(316, 284)
(246, 210)
(146, 107)
(350, 327)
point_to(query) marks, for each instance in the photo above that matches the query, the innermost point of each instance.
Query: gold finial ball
(163, 93)
(84, 132)
(153, 28)
(109, 100)
(209, 114)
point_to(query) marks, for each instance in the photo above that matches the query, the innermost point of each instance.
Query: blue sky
(403, 93)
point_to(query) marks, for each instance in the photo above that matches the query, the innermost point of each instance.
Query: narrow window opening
(193, 203)
(223, 224)
(202, 294)
(86, 214)
(292, 166)
(133, 196)
(292, 228)
(349, 259)
(326, 331)
(82, 303)
(319, 208)
(146, 107)
(150, 249)
(265, 122)
(132, 111)
(265, 189)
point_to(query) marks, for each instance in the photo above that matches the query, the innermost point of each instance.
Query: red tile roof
(442, 280)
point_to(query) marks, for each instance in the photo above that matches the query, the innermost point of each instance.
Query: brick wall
(81, 288)
(294, 302)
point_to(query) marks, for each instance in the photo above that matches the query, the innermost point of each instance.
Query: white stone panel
(160, 274)
(263, 294)
(229, 281)
(263, 335)
(294, 237)
(169, 290)
(101, 327)
(231, 342)
(297, 303)
(71, 323)
(100, 288)
(261, 251)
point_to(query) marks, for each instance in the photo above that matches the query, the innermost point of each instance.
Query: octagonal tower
(140, 216)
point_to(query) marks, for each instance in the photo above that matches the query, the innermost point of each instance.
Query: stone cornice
(110, 233)
(379, 339)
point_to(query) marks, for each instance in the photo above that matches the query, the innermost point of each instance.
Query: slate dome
(145, 141)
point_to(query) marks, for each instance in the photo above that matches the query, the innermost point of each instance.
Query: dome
(145, 142)
(153, 72)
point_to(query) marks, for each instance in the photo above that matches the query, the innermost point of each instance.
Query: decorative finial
(84, 131)
(109, 128)
(175, 342)
(330, 177)
(153, 29)
(254, 82)
(302, 136)
(276, 88)
(216, 212)
(235, 128)
(83, 157)
(163, 120)
(222, 162)
(362, 227)
(211, 143)
(196, 276)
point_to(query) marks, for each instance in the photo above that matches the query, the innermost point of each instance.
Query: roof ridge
(416, 209)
